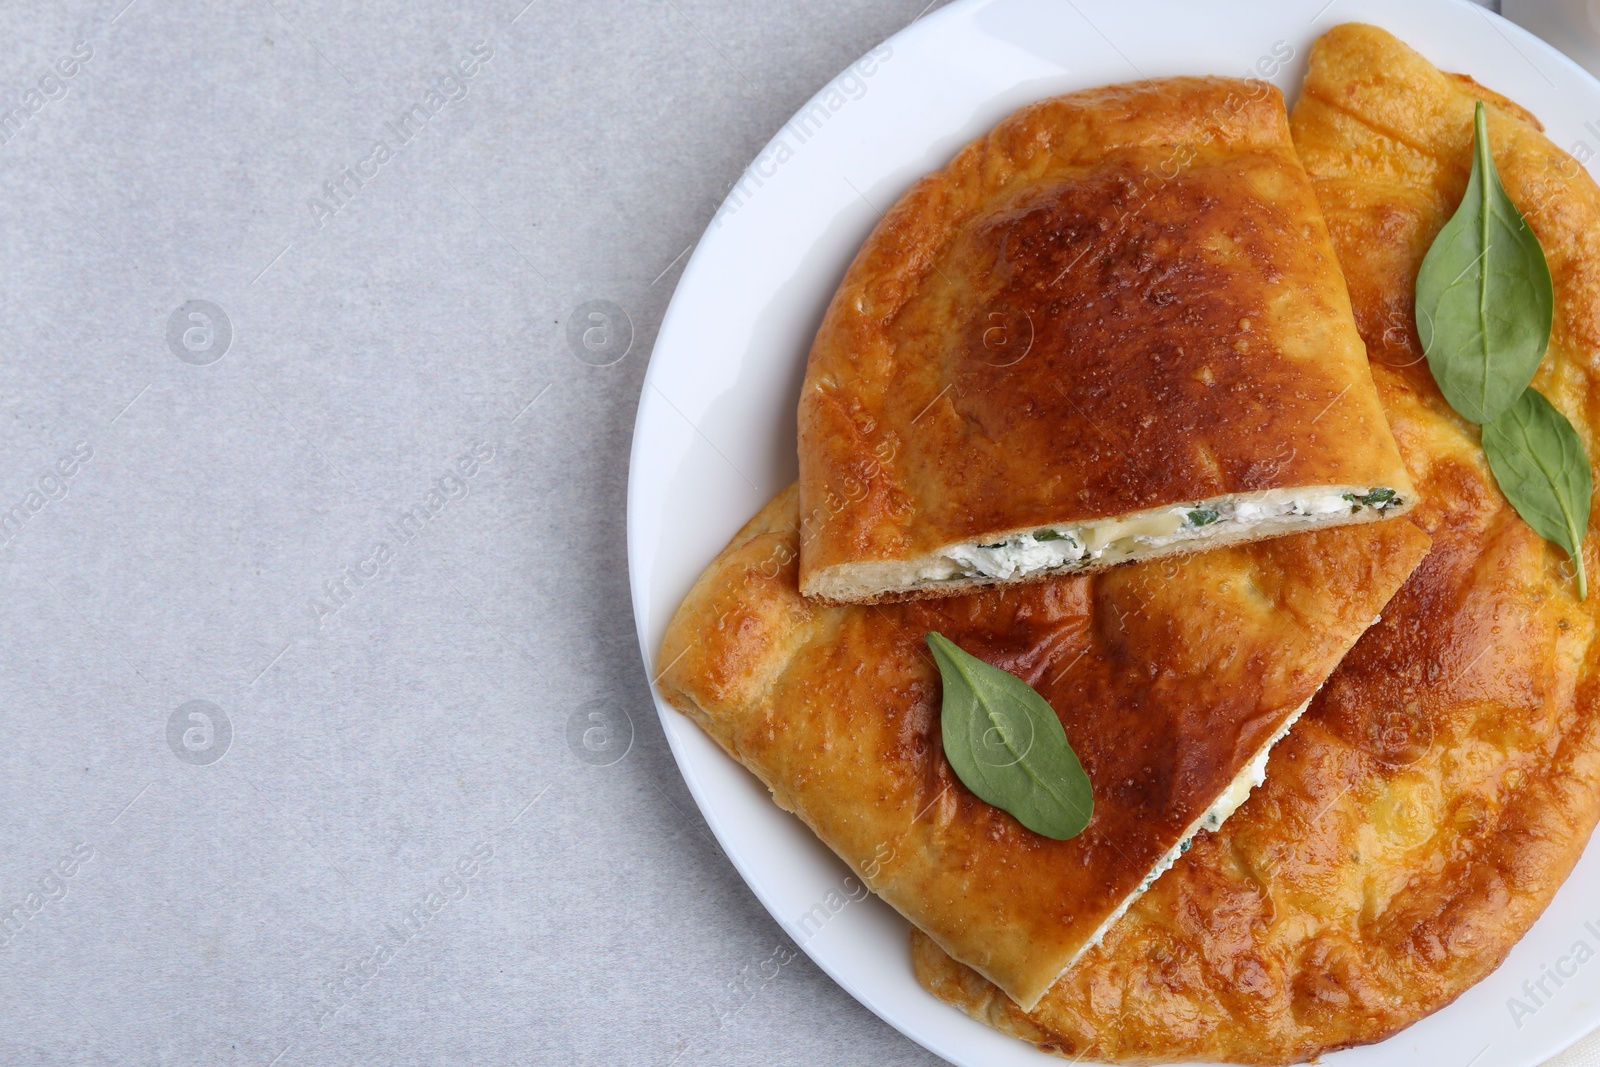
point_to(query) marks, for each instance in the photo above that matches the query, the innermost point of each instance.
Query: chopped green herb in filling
(1203, 516)
(1048, 535)
(1378, 498)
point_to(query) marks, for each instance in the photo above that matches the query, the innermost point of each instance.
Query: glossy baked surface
(1168, 677)
(1118, 300)
(1420, 817)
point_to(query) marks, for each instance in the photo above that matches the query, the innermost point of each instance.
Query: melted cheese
(1066, 548)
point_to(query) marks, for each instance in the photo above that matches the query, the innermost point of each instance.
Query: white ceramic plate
(715, 437)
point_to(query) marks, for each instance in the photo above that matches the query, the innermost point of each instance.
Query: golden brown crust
(1168, 676)
(1446, 779)
(1118, 300)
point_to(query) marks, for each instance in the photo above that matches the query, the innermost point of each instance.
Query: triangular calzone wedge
(1171, 678)
(1112, 329)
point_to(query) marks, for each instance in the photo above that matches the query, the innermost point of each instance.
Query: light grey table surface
(326, 735)
(381, 715)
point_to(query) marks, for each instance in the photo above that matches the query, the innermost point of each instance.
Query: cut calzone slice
(1112, 329)
(1171, 679)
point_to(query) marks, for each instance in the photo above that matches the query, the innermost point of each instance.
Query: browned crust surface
(1423, 813)
(1117, 300)
(1168, 677)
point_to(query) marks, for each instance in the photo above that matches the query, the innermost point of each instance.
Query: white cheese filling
(1068, 547)
(1228, 802)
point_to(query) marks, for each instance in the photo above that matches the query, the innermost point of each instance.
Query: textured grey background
(430, 733)
(228, 908)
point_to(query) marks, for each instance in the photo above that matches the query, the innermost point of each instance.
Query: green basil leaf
(1539, 461)
(1007, 745)
(1203, 516)
(1484, 297)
